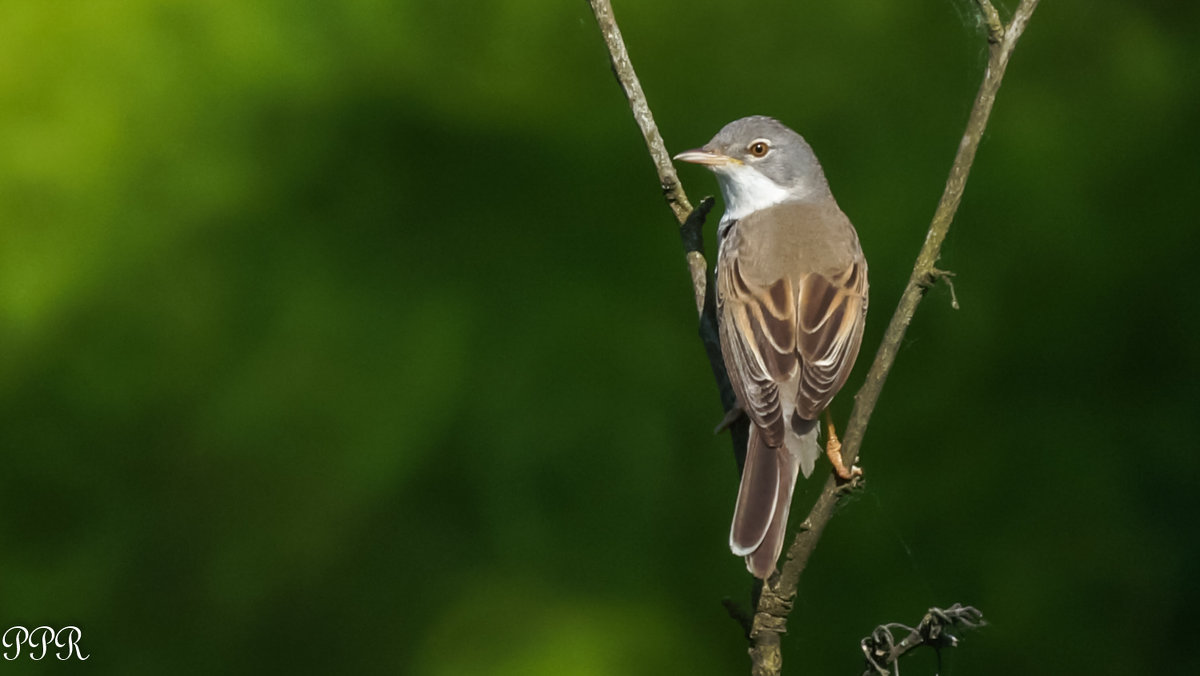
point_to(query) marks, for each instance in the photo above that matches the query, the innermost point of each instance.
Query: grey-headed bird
(791, 304)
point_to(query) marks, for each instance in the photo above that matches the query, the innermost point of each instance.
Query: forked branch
(775, 601)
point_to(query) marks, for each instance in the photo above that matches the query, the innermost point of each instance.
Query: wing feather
(832, 313)
(758, 342)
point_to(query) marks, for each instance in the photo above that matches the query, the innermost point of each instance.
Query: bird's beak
(706, 157)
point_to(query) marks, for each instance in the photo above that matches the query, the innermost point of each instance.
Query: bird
(791, 305)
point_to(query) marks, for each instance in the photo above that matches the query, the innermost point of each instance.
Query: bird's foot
(833, 449)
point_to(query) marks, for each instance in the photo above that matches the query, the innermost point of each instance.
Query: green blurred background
(355, 337)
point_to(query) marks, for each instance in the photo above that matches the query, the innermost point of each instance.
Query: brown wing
(829, 332)
(758, 342)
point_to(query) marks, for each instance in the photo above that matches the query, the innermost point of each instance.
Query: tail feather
(761, 515)
(761, 562)
(757, 499)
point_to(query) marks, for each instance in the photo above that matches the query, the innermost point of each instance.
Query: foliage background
(355, 337)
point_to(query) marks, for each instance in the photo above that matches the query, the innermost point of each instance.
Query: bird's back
(793, 239)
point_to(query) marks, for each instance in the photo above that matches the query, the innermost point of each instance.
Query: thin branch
(882, 650)
(623, 69)
(991, 19)
(924, 274)
(691, 221)
(738, 614)
(775, 601)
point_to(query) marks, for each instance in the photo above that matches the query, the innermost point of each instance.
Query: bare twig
(775, 600)
(623, 69)
(947, 277)
(691, 221)
(738, 614)
(882, 650)
(924, 273)
(991, 19)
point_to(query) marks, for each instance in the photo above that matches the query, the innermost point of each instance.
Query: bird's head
(759, 162)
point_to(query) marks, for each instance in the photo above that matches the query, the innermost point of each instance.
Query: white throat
(747, 190)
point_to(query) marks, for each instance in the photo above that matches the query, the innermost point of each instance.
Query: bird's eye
(759, 148)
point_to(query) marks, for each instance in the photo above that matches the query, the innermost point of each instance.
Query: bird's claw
(833, 449)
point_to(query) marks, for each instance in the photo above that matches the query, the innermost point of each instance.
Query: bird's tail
(765, 497)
